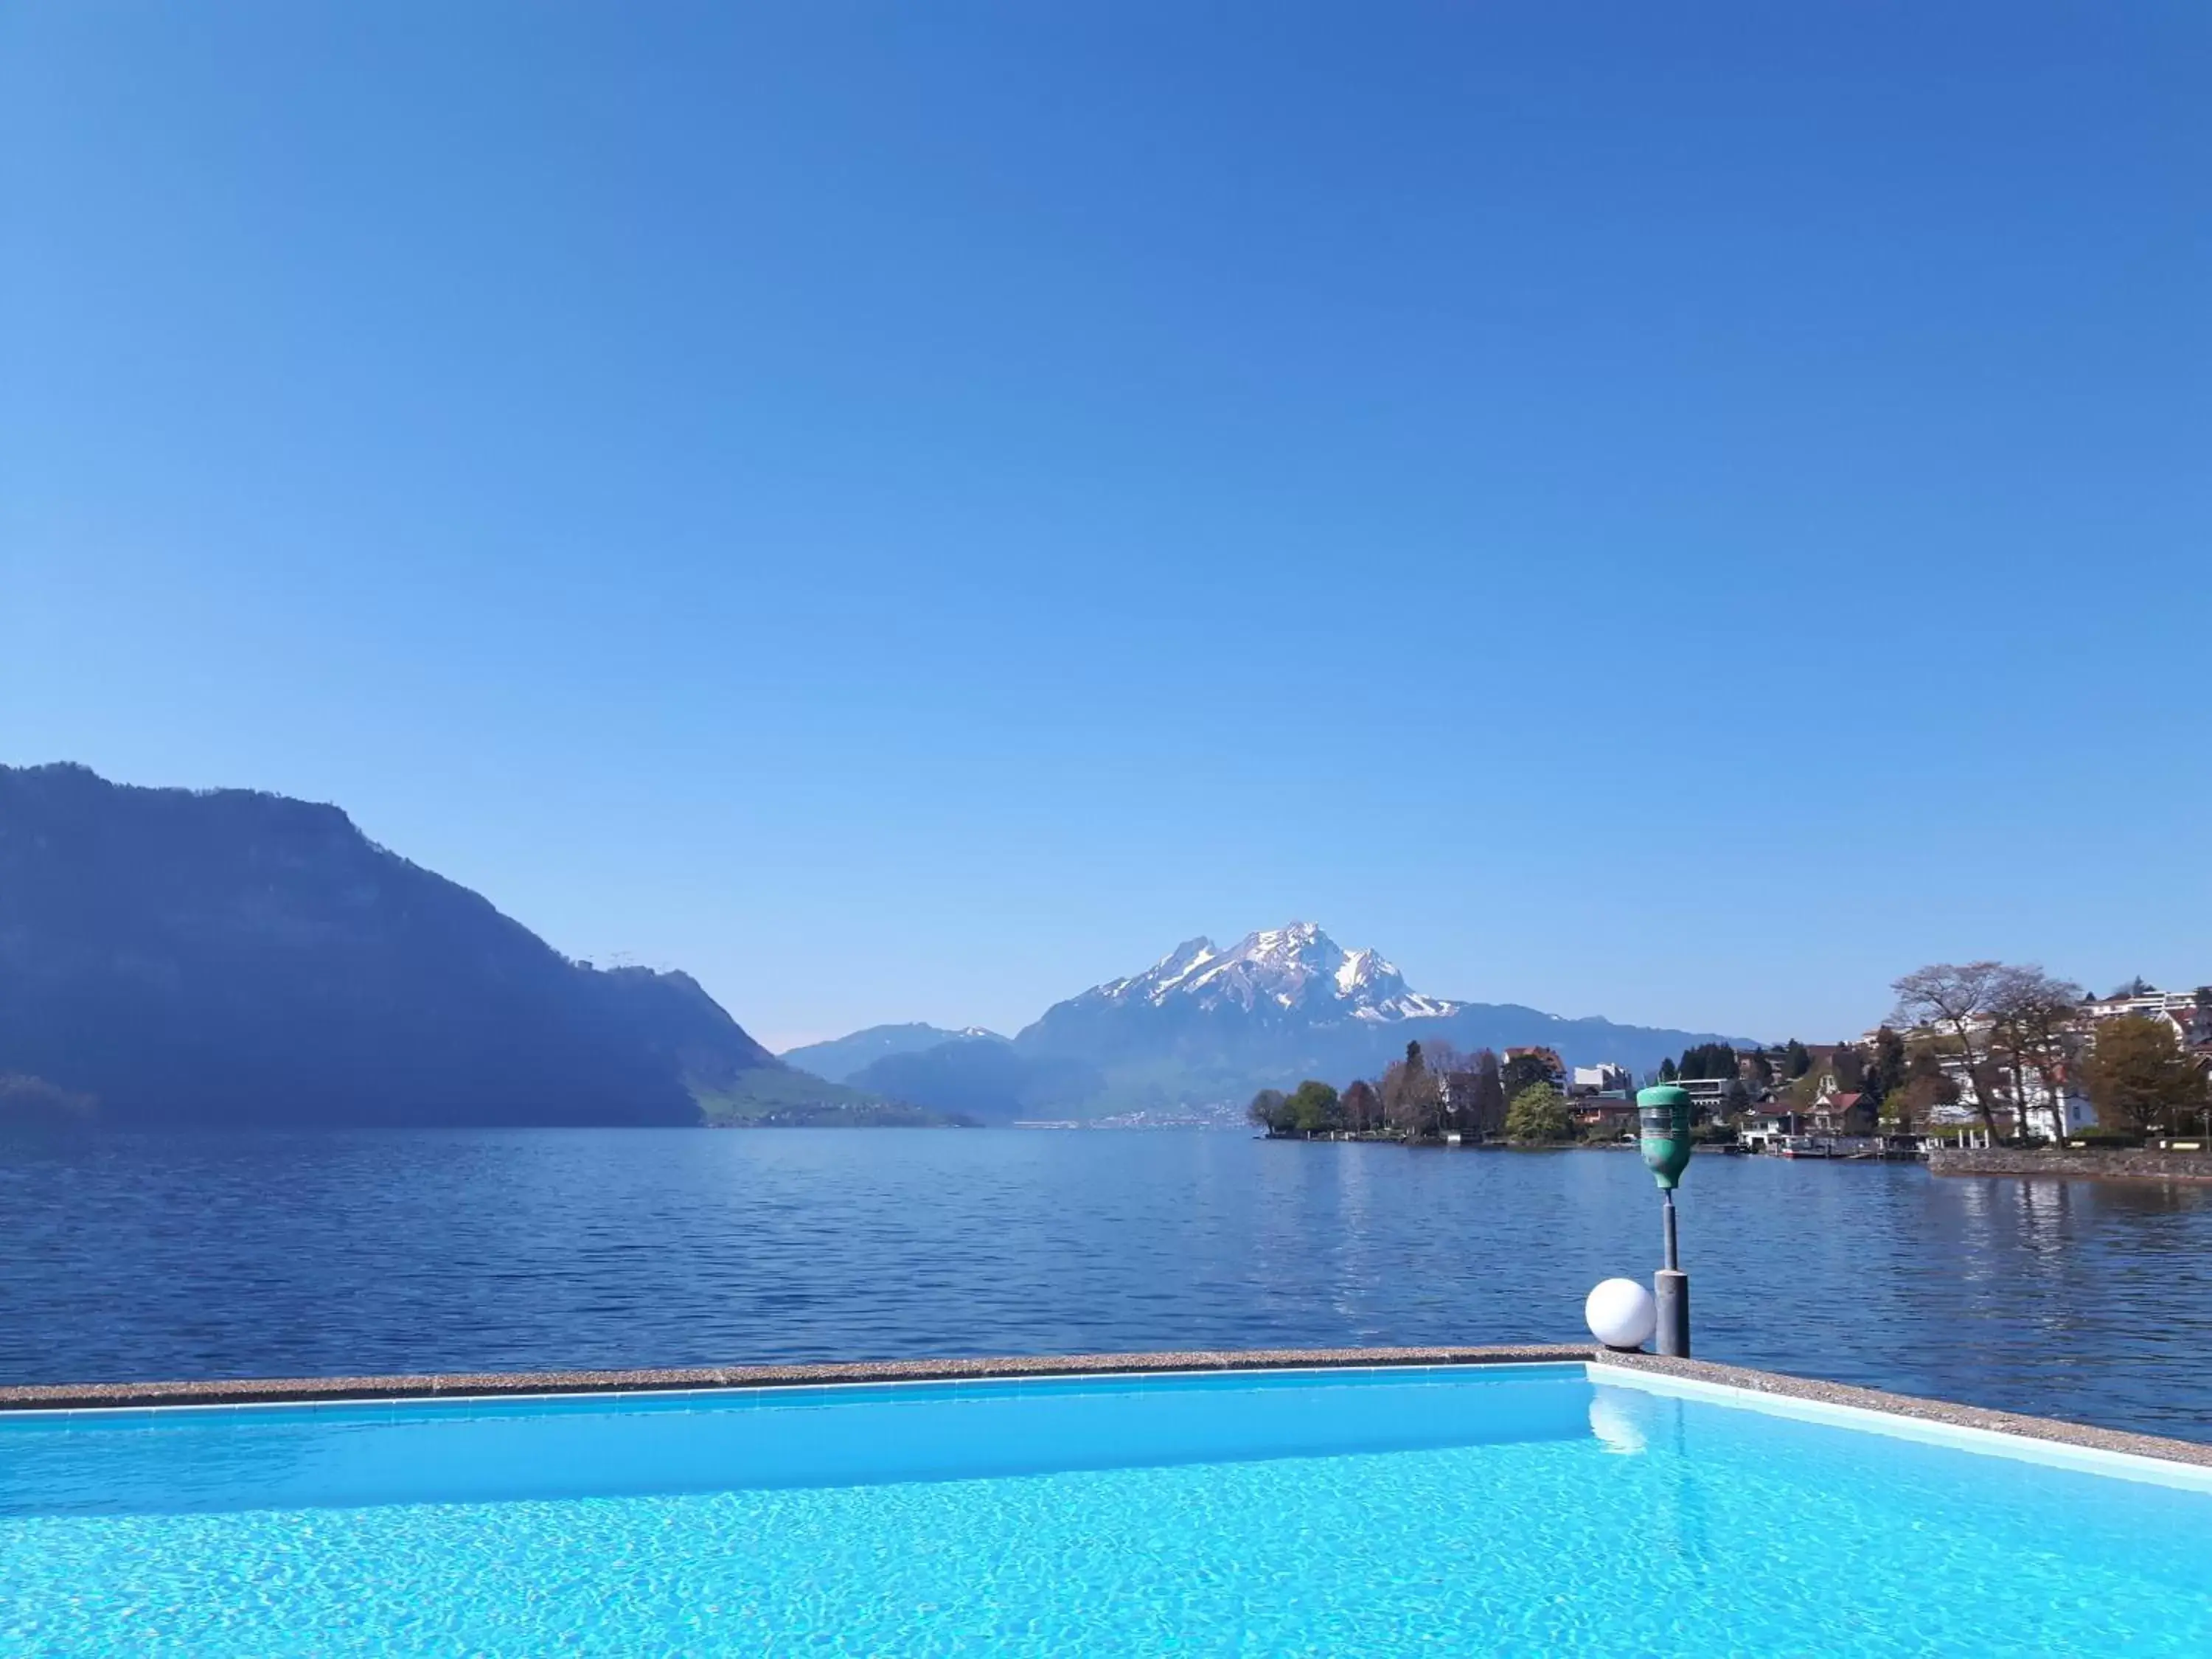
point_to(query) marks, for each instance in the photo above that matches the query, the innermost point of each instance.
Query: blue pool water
(1533, 1511)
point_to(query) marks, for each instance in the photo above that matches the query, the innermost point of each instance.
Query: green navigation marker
(1663, 1114)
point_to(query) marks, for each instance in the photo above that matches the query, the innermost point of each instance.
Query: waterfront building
(1771, 1122)
(1605, 1078)
(1842, 1114)
(2188, 1012)
(2186, 1009)
(1708, 1095)
(1605, 1117)
(2024, 1103)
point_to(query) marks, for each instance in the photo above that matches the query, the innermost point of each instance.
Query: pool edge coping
(1976, 1420)
(359, 1390)
(95, 1397)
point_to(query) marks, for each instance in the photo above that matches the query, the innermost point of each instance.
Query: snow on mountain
(1204, 1027)
(1295, 967)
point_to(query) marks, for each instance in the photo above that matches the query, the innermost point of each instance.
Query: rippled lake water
(267, 1254)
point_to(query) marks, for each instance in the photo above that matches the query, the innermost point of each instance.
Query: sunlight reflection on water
(270, 1255)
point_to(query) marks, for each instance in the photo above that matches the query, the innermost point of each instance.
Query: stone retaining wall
(2080, 1165)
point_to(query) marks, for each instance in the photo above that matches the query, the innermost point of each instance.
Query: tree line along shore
(2017, 1055)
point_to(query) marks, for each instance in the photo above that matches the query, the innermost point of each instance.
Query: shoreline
(2193, 1168)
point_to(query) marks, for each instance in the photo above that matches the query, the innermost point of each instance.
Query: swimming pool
(1534, 1509)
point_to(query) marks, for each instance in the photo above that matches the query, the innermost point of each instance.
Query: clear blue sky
(1680, 511)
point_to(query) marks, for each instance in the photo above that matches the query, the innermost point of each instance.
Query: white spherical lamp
(1621, 1314)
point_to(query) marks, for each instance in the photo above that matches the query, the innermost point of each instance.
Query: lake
(136, 1257)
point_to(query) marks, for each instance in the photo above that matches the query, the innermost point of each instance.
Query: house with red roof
(1842, 1114)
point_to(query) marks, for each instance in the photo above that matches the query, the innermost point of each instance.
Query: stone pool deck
(1941, 1412)
(254, 1391)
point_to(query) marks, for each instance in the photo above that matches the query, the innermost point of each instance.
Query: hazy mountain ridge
(987, 1079)
(197, 958)
(840, 1057)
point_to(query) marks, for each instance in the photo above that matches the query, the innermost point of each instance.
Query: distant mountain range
(1205, 1027)
(182, 958)
(840, 1057)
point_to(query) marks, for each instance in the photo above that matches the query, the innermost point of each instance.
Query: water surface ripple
(269, 1255)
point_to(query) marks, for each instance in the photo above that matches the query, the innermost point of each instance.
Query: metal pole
(1664, 1113)
(1671, 1291)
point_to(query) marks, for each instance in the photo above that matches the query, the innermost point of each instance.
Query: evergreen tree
(1489, 1095)
(1850, 1069)
(1666, 1072)
(1887, 1074)
(1708, 1060)
(1524, 1072)
(1796, 1059)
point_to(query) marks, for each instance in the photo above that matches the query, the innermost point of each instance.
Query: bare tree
(1411, 1094)
(1440, 1056)
(1454, 1075)
(2036, 1030)
(1269, 1110)
(1363, 1106)
(1957, 1002)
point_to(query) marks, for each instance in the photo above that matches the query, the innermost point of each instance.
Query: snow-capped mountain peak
(1297, 966)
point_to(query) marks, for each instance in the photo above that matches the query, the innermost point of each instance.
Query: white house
(1603, 1079)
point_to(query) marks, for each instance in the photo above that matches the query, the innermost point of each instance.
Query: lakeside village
(1982, 1054)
